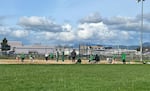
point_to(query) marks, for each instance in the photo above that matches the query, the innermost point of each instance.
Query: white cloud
(67, 27)
(123, 23)
(34, 20)
(92, 18)
(19, 33)
(66, 36)
(4, 30)
(117, 20)
(36, 23)
(117, 28)
(62, 36)
(98, 31)
(50, 35)
(85, 31)
(92, 27)
(57, 37)
(12, 33)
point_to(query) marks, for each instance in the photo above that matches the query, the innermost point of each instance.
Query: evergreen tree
(4, 45)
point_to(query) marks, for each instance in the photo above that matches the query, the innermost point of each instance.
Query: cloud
(2, 17)
(85, 31)
(13, 32)
(114, 29)
(92, 28)
(4, 30)
(67, 27)
(51, 37)
(67, 36)
(101, 32)
(121, 23)
(58, 37)
(36, 23)
(119, 20)
(145, 17)
(20, 33)
(126, 23)
(92, 18)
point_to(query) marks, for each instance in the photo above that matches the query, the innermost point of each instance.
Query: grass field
(74, 77)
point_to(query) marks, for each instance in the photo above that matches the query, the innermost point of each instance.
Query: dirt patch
(36, 61)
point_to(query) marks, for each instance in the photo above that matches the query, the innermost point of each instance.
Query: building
(87, 50)
(17, 47)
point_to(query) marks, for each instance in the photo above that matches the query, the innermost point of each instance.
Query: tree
(138, 49)
(4, 45)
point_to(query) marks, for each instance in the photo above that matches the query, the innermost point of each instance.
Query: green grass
(74, 77)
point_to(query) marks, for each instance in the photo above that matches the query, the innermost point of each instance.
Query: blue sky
(66, 21)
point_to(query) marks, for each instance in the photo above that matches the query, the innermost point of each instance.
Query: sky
(66, 22)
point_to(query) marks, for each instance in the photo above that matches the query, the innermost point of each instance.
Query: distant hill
(130, 47)
(146, 44)
(133, 47)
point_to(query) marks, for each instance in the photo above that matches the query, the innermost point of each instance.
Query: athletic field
(74, 77)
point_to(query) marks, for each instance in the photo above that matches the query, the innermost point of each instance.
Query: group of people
(113, 59)
(23, 56)
(73, 55)
(94, 58)
(57, 56)
(51, 56)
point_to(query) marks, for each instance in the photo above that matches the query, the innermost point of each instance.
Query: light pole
(141, 32)
(141, 48)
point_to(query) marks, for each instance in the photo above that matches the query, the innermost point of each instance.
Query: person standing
(57, 55)
(31, 57)
(46, 56)
(73, 55)
(123, 56)
(51, 56)
(91, 57)
(114, 59)
(22, 57)
(97, 59)
(63, 56)
(17, 57)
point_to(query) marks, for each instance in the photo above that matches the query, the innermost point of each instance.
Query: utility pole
(141, 32)
(141, 37)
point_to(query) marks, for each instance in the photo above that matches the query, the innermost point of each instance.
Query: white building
(18, 48)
